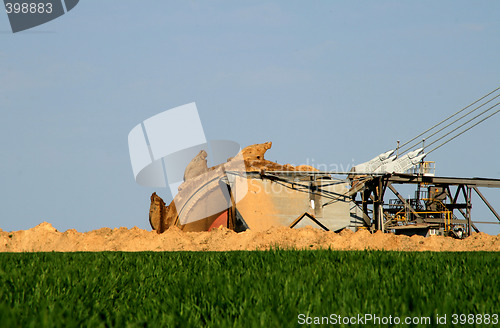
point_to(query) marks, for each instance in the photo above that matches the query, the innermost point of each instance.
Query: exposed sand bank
(45, 238)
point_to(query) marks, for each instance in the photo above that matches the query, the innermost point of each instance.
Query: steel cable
(442, 144)
(449, 124)
(446, 119)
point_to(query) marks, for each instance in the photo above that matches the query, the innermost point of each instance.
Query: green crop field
(242, 289)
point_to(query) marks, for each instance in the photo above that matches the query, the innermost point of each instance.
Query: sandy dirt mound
(45, 238)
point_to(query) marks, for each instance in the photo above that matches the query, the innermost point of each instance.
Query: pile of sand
(45, 238)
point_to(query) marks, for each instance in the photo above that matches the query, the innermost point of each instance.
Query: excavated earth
(45, 238)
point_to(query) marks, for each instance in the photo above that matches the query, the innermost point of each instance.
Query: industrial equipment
(261, 193)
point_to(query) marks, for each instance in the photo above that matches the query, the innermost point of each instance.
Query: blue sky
(329, 82)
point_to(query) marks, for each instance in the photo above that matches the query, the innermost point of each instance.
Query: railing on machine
(426, 168)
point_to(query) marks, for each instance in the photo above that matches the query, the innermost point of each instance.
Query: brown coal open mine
(250, 203)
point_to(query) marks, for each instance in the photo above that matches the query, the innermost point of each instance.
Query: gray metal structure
(442, 205)
(432, 209)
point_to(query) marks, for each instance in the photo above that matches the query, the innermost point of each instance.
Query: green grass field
(240, 289)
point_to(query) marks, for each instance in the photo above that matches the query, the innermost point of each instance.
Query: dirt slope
(45, 238)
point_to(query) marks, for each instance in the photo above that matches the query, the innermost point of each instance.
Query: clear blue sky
(333, 82)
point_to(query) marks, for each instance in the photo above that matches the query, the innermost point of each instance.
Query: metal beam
(458, 221)
(396, 177)
(366, 218)
(476, 229)
(459, 208)
(469, 206)
(441, 220)
(365, 194)
(297, 220)
(487, 203)
(401, 198)
(472, 182)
